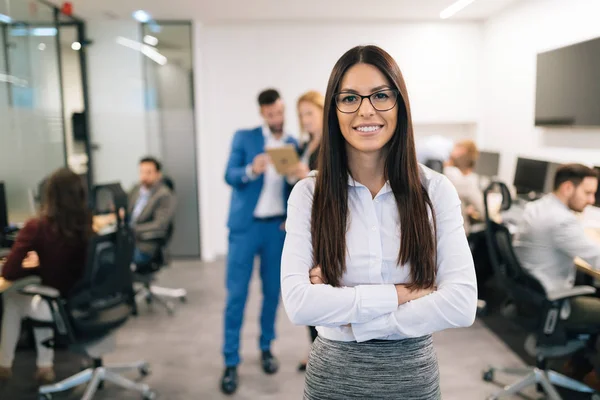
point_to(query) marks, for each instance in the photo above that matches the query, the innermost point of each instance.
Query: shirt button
(373, 228)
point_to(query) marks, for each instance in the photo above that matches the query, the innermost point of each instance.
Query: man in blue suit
(256, 226)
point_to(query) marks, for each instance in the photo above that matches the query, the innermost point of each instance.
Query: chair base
(158, 294)
(536, 377)
(95, 377)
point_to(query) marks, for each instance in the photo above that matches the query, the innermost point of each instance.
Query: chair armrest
(572, 292)
(46, 292)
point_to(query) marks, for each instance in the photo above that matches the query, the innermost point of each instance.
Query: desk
(581, 264)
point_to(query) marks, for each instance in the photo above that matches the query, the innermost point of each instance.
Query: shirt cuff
(376, 300)
(379, 328)
(251, 175)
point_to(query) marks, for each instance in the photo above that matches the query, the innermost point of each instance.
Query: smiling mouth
(368, 129)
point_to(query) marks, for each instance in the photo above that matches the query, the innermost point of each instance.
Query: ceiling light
(33, 32)
(151, 40)
(76, 46)
(146, 50)
(42, 46)
(141, 16)
(5, 18)
(454, 8)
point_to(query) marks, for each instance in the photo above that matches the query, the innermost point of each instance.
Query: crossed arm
(377, 311)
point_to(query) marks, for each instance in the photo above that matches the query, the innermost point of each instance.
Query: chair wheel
(45, 397)
(488, 375)
(150, 395)
(145, 370)
(183, 299)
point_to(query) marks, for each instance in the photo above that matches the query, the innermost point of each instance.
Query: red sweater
(61, 263)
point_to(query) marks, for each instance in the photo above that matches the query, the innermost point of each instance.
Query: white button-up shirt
(366, 306)
(549, 237)
(270, 202)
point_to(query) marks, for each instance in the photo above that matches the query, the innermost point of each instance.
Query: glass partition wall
(36, 132)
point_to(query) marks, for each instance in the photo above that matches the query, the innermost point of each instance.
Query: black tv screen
(568, 86)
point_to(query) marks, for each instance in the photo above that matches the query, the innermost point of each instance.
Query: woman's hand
(405, 294)
(32, 260)
(316, 276)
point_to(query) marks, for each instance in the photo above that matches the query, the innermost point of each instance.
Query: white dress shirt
(367, 300)
(270, 203)
(548, 239)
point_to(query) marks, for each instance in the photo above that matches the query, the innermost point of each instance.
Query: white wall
(512, 41)
(441, 65)
(116, 96)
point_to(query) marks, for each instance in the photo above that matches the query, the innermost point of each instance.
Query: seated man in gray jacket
(550, 236)
(151, 207)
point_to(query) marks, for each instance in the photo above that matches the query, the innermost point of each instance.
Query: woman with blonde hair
(310, 115)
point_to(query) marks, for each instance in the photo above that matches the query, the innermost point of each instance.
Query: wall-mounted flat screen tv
(568, 86)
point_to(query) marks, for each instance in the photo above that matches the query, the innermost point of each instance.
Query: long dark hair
(65, 206)
(330, 202)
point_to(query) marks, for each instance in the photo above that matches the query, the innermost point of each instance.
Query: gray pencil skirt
(378, 369)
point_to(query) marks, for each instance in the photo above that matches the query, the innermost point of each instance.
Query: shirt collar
(266, 131)
(553, 197)
(385, 189)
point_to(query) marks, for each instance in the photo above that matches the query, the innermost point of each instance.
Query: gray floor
(184, 350)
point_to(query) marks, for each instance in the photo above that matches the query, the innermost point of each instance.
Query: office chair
(538, 312)
(87, 319)
(145, 274)
(436, 165)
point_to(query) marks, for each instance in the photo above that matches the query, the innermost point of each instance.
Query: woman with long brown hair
(375, 254)
(57, 239)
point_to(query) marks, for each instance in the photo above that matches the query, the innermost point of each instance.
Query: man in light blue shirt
(256, 217)
(550, 236)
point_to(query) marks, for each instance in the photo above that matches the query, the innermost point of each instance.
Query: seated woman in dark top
(58, 237)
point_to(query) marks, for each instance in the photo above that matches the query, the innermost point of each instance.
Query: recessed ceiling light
(76, 46)
(454, 8)
(141, 16)
(151, 40)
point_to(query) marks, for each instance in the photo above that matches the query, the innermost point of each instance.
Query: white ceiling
(211, 11)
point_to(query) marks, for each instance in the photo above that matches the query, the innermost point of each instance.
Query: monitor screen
(568, 85)
(530, 175)
(550, 175)
(487, 164)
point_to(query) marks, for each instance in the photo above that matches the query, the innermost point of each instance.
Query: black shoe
(229, 382)
(269, 363)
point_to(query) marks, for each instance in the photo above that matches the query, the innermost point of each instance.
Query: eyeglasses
(383, 100)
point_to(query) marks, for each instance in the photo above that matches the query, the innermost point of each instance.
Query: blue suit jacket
(246, 145)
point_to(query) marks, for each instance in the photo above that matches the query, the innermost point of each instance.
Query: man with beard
(551, 236)
(256, 226)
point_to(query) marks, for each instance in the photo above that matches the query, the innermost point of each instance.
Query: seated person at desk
(151, 206)
(58, 237)
(550, 236)
(459, 170)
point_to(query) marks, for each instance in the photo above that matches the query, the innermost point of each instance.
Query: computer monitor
(550, 175)
(530, 176)
(3, 209)
(487, 164)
